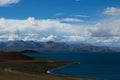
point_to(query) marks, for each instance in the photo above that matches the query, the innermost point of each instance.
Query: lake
(103, 65)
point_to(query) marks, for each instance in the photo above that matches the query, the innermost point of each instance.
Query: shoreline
(72, 63)
(43, 74)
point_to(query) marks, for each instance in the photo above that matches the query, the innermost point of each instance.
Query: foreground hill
(13, 56)
(50, 46)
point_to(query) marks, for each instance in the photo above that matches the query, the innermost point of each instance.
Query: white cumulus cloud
(104, 31)
(8, 2)
(49, 38)
(113, 11)
(84, 16)
(72, 20)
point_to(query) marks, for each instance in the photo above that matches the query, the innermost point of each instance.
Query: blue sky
(89, 21)
(48, 8)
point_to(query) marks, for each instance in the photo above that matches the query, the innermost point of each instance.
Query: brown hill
(13, 56)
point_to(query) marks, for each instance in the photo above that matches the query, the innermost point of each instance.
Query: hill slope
(13, 56)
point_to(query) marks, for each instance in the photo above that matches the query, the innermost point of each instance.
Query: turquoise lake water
(93, 65)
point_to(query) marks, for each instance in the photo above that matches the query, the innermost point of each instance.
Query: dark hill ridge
(49, 46)
(13, 56)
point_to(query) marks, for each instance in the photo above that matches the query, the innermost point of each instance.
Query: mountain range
(31, 46)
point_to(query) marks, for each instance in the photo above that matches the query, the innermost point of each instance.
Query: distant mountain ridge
(50, 46)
